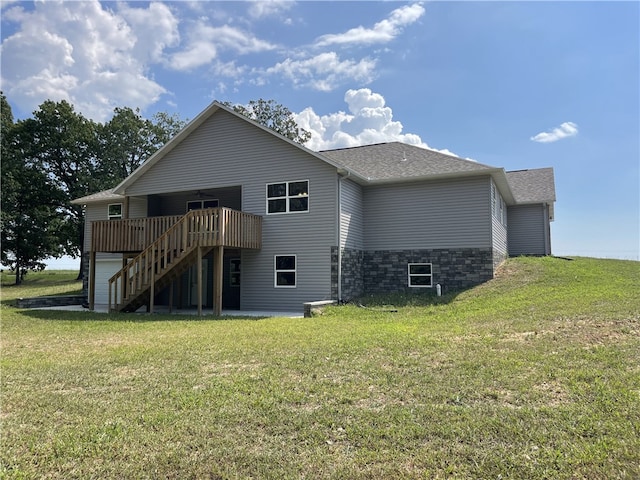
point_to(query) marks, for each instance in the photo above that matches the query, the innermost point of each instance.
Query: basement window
(288, 197)
(420, 275)
(114, 211)
(285, 271)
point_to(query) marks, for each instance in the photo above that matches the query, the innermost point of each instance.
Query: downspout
(338, 243)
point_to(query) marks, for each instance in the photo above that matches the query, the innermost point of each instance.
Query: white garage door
(104, 271)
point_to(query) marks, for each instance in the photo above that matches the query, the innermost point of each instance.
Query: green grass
(533, 375)
(48, 282)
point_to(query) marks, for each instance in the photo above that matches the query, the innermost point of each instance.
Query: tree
(30, 221)
(63, 144)
(127, 140)
(274, 116)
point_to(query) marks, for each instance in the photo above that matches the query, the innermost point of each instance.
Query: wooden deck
(174, 244)
(213, 227)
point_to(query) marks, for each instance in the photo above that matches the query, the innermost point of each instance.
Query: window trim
(411, 275)
(276, 271)
(114, 216)
(286, 197)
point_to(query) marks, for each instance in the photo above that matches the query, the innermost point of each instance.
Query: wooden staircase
(172, 253)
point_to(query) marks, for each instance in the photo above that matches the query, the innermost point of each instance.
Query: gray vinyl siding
(138, 207)
(225, 151)
(498, 230)
(528, 230)
(498, 235)
(351, 215)
(98, 211)
(436, 214)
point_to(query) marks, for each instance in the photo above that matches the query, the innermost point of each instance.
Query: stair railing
(196, 228)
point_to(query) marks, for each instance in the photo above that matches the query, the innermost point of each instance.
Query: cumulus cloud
(382, 32)
(324, 72)
(93, 57)
(369, 120)
(205, 41)
(567, 129)
(269, 8)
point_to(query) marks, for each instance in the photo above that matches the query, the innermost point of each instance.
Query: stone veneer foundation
(85, 276)
(385, 271)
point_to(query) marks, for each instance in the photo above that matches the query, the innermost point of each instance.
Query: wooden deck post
(218, 280)
(199, 274)
(152, 282)
(92, 280)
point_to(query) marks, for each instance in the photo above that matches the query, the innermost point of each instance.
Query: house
(229, 214)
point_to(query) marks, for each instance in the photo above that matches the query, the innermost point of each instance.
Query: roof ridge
(360, 146)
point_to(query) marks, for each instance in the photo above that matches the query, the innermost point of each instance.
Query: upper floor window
(114, 211)
(199, 204)
(288, 197)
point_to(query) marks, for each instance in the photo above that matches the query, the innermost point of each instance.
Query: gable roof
(532, 186)
(189, 128)
(392, 162)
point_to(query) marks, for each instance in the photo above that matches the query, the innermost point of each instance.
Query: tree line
(59, 155)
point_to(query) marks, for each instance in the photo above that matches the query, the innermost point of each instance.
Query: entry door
(193, 283)
(231, 283)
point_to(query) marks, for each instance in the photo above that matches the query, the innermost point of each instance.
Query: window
(493, 199)
(420, 275)
(234, 272)
(114, 211)
(199, 204)
(288, 197)
(498, 205)
(285, 271)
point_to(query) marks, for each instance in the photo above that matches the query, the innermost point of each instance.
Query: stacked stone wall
(454, 269)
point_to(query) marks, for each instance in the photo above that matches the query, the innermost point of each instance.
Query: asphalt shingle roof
(98, 197)
(395, 160)
(532, 186)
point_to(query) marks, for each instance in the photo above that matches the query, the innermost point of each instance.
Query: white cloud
(93, 57)
(206, 41)
(369, 121)
(567, 129)
(325, 71)
(269, 8)
(382, 32)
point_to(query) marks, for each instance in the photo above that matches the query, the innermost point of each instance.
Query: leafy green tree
(274, 116)
(64, 144)
(128, 139)
(30, 222)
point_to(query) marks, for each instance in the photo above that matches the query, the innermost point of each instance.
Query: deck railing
(199, 228)
(233, 229)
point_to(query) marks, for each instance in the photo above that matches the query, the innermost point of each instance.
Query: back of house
(231, 215)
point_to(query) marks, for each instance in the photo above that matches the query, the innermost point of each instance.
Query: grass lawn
(534, 375)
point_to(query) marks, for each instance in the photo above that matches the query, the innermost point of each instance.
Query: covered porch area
(158, 253)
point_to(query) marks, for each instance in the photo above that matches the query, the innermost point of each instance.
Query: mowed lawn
(534, 375)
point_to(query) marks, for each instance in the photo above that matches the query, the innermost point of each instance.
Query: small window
(114, 211)
(200, 204)
(288, 197)
(420, 275)
(285, 271)
(234, 272)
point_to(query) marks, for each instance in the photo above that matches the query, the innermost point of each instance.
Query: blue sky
(509, 84)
